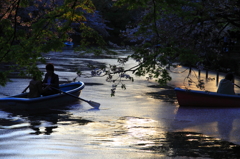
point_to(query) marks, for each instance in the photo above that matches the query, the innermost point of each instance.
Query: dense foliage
(29, 28)
(203, 34)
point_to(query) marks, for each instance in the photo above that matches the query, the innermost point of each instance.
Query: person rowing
(38, 88)
(50, 80)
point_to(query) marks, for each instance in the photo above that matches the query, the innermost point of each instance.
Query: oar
(25, 89)
(92, 103)
(237, 85)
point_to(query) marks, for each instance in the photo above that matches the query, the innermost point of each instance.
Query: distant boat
(194, 98)
(21, 102)
(68, 43)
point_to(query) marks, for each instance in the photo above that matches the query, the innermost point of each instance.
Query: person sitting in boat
(35, 88)
(50, 81)
(226, 85)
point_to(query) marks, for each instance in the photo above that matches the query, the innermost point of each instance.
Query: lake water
(143, 121)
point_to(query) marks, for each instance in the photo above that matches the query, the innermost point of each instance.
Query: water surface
(143, 121)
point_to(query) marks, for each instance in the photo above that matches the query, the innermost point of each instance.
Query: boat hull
(193, 98)
(20, 102)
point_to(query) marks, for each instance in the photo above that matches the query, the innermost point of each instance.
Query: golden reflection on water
(129, 131)
(179, 73)
(126, 132)
(140, 128)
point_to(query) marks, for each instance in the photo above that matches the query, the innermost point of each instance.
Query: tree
(116, 18)
(29, 28)
(189, 32)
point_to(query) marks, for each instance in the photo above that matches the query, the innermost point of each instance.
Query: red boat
(195, 98)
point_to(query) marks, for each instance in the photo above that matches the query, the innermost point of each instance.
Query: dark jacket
(54, 80)
(226, 87)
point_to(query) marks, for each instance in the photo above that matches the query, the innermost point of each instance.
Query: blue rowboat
(21, 102)
(68, 43)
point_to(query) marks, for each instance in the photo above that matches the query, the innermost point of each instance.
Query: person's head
(50, 67)
(229, 76)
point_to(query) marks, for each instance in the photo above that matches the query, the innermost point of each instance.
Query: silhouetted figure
(51, 80)
(226, 85)
(35, 88)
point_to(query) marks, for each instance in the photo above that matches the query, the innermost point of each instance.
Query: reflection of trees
(191, 144)
(166, 95)
(48, 120)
